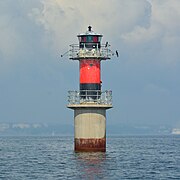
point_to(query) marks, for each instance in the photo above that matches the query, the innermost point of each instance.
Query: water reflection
(91, 164)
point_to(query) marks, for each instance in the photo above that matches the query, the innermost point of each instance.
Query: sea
(127, 157)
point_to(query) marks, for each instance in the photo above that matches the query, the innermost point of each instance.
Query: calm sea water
(149, 157)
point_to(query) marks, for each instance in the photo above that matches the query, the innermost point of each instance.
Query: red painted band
(90, 71)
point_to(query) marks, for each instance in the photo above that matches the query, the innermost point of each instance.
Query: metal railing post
(99, 97)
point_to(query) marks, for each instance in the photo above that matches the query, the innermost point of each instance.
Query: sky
(145, 79)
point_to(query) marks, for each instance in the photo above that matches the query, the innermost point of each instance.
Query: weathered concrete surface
(90, 123)
(90, 129)
(90, 145)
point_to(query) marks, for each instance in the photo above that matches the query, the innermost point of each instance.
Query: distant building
(175, 131)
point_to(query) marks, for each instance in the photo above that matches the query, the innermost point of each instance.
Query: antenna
(62, 55)
(89, 28)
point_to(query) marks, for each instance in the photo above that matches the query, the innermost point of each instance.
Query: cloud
(163, 18)
(163, 31)
(142, 27)
(33, 34)
(60, 19)
(58, 22)
(17, 32)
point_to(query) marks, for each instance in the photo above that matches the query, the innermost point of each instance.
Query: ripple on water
(53, 158)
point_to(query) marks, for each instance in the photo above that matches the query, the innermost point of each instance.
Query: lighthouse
(90, 102)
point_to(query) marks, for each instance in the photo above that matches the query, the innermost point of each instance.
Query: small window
(89, 38)
(95, 39)
(83, 39)
(99, 39)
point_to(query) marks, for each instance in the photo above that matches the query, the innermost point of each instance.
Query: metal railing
(90, 96)
(76, 53)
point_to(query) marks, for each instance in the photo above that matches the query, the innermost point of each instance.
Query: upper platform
(76, 53)
(90, 47)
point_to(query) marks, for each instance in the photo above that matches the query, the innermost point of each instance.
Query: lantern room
(90, 47)
(89, 40)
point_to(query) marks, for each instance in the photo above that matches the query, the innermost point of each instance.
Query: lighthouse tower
(90, 102)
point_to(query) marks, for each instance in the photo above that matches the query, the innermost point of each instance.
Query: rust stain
(90, 145)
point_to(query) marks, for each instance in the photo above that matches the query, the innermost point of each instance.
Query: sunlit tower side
(90, 102)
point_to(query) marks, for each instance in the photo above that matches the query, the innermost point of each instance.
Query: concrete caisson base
(90, 129)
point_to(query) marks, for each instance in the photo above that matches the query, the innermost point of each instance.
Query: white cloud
(135, 24)
(57, 21)
(63, 19)
(163, 30)
(130, 24)
(31, 32)
(163, 18)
